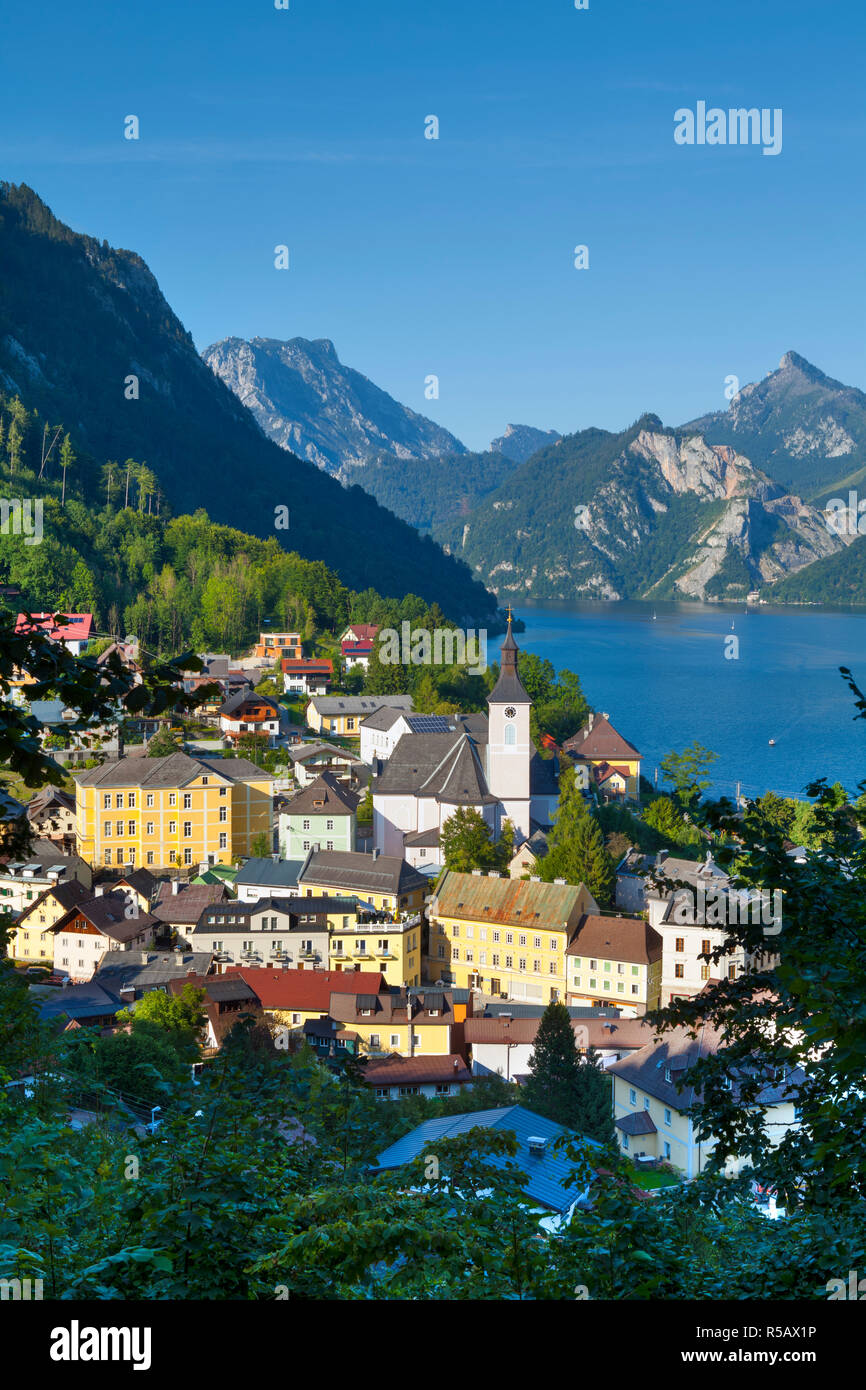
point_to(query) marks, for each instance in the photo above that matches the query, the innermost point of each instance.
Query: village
(269, 890)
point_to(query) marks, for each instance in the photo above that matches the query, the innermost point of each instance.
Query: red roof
(312, 665)
(306, 989)
(79, 628)
(600, 741)
(416, 1071)
(605, 770)
(356, 648)
(364, 632)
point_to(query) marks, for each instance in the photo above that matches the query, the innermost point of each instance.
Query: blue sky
(455, 257)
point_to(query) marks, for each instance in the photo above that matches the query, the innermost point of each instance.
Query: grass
(654, 1177)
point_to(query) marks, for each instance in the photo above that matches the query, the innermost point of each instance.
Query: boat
(654, 616)
(772, 742)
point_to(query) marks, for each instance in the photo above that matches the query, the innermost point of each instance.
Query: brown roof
(615, 938)
(325, 797)
(600, 741)
(304, 989)
(107, 914)
(619, 1033)
(415, 1071)
(513, 902)
(391, 1009)
(188, 903)
(640, 1122)
(68, 894)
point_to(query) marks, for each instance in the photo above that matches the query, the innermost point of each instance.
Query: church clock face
(510, 712)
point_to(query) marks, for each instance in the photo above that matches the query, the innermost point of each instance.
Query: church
(444, 762)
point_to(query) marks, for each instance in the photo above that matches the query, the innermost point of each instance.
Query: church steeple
(509, 688)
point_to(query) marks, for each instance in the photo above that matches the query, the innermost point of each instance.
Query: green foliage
(576, 849)
(180, 1016)
(467, 842)
(563, 1088)
(687, 773)
(164, 742)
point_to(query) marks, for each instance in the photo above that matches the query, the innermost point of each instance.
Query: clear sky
(454, 256)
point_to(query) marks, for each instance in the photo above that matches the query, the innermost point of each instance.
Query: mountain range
(87, 338)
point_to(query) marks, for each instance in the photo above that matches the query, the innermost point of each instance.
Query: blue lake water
(666, 682)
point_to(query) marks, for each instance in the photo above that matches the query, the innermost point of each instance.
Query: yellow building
(343, 714)
(172, 812)
(413, 1025)
(654, 1119)
(606, 757)
(615, 960)
(384, 882)
(392, 946)
(503, 935)
(31, 938)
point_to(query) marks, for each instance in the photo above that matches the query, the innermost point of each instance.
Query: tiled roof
(360, 873)
(616, 938)
(79, 628)
(391, 1007)
(358, 704)
(512, 901)
(269, 873)
(326, 796)
(639, 1122)
(108, 915)
(416, 1071)
(119, 969)
(599, 1033)
(175, 770)
(600, 741)
(186, 905)
(548, 1173)
(445, 766)
(67, 893)
(304, 989)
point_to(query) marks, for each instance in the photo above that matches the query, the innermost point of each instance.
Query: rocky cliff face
(308, 402)
(806, 430)
(520, 442)
(660, 515)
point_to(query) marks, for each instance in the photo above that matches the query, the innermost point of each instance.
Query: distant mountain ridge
(520, 442)
(806, 430)
(87, 338)
(306, 400)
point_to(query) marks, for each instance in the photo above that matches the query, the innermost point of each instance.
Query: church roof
(508, 689)
(444, 766)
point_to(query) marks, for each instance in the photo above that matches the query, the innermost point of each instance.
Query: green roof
(515, 901)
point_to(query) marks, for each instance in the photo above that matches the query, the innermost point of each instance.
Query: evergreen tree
(594, 1100)
(576, 846)
(552, 1087)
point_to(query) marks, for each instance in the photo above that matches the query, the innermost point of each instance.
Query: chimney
(535, 878)
(493, 873)
(560, 880)
(456, 1064)
(175, 886)
(99, 890)
(661, 856)
(127, 994)
(145, 957)
(590, 721)
(476, 873)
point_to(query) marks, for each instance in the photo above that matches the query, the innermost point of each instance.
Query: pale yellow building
(615, 960)
(503, 935)
(172, 812)
(31, 938)
(392, 946)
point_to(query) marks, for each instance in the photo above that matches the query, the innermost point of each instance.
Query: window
(148, 828)
(667, 1149)
(625, 1141)
(149, 857)
(455, 930)
(593, 965)
(632, 1096)
(482, 957)
(635, 970)
(455, 953)
(441, 952)
(224, 841)
(306, 844)
(187, 829)
(668, 1074)
(172, 798)
(119, 827)
(148, 800)
(607, 984)
(119, 855)
(536, 967)
(635, 989)
(509, 938)
(172, 827)
(106, 801)
(118, 800)
(470, 956)
(305, 825)
(107, 856)
(131, 800)
(620, 989)
(495, 960)
(395, 1039)
(106, 829)
(470, 931)
(222, 791)
(732, 972)
(680, 945)
(329, 844)
(593, 985)
(607, 966)
(187, 801)
(509, 962)
(706, 946)
(536, 941)
(620, 969)
(329, 825)
(646, 1104)
(705, 972)
(667, 1116)
(374, 1039)
(679, 972)
(521, 941)
(510, 734)
(496, 936)
(187, 855)
(224, 813)
(130, 827)
(553, 943)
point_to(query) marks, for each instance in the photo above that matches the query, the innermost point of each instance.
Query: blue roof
(281, 873)
(89, 1000)
(547, 1173)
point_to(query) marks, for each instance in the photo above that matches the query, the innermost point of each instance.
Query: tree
(576, 850)
(262, 845)
(385, 678)
(180, 1016)
(593, 1105)
(466, 841)
(67, 460)
(663, 815)
(687, 773)
(552, 1086)
(164, 742)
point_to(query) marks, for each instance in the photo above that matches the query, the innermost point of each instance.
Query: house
(179, 905)
(30, 938)
(11, 813)
(51, 815)
(528, 856)
(547, 1167)
(172, 811)
(383, 881)
(131, 974)
(393, 1078)
(286, 932)
(504, 935)
(360, 632)
(139, 884)
(311, 675)
(106, 922)
(268, 878)
(23, 880)
(400, 1020)
(248, 713)
(611, 762)
(329, 1040)
(310, 760)
(343, 714)
(386, 939)
(356, 654)
(491, 767)
(228, 1001)
(504, 1044)
(59, 721)
(75, 631)
(654, 1117)
(274, 646)
(293, 996)
(324, 813)
(86, 1005)
(614, 960)
(382, 731)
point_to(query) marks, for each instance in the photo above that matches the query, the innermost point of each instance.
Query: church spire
(509, 688)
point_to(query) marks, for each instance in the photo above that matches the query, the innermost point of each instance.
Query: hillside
(646, 513)
(79, 319)
(840, 578)
(437, 499)
(807, 431)
(306, 400)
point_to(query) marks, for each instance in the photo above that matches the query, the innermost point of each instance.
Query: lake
(665, 682)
